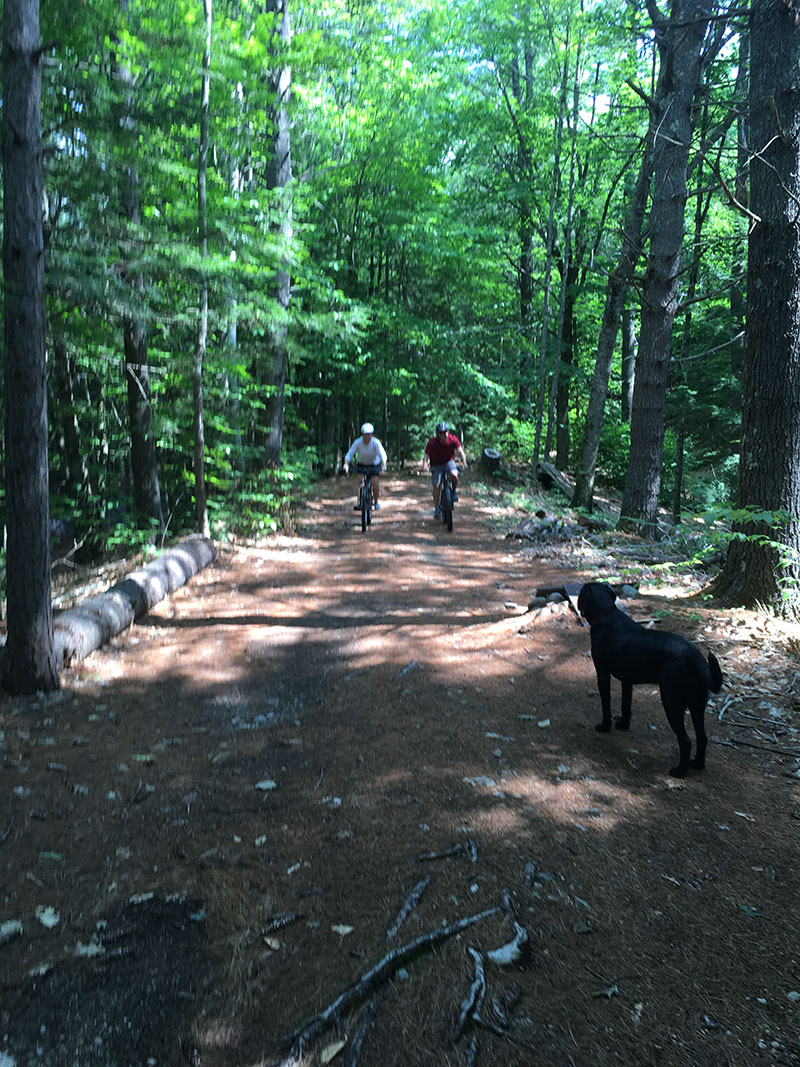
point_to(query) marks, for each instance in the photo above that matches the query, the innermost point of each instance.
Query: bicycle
(447, 498)
(365, 497)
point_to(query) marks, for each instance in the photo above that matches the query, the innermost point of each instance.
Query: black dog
(634, 655)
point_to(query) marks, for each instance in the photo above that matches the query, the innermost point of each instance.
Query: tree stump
(490, 460)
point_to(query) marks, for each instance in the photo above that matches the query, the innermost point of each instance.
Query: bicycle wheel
(366, 506)
(447, 504)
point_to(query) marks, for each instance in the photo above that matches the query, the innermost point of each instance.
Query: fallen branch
(472, 1052)
(279, 921)
(456, 850)
(409, 904)
(473, 1002)
(502, 1008)
(759, 733)
(375, 977)
(795, 754)
(353, 1051)
(517, 950)
(470, 847)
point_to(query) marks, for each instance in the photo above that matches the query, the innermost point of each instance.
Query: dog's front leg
(674, 710)
(624, 721)
(604, 687)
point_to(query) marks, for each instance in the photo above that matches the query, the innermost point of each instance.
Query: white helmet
(368, 428)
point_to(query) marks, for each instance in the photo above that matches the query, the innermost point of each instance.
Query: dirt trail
(226, 810)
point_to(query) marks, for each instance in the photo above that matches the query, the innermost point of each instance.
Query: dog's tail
(716, 673)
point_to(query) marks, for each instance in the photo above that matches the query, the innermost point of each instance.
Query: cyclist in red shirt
(439, 453)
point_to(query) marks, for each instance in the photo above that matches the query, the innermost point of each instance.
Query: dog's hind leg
(674, 709)
(698, 710)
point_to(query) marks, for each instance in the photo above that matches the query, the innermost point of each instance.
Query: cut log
(549, 476)
(569, 590)
(90, 624)
(490, 460)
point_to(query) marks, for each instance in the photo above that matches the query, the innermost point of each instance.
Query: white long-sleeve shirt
(371, 453)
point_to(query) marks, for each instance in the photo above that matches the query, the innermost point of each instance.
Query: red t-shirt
(441, 452)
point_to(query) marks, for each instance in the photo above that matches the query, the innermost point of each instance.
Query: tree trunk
(680, 44)
(739, 267)
(278, 178)
(549, 243)
(202, 329)
(523, 98)
(628, 362)
(559, 389)
(525, 312)
(677, 487)
(764, 567)
(29, 663)
(74, 468)
(565, 378)
(144, 467)
(616, 292)
(701, 206)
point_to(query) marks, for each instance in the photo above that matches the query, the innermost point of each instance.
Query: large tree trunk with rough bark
(680, 42)
(764, 568)
(29, 663)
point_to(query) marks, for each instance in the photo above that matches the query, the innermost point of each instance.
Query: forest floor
(335, 746)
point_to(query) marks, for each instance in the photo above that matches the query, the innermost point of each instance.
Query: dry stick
(456, 850)
(487, 1024)
(470, 847)
(353, 1051)
(378, 975)
(759, 732)
(473, 1002)
(764, 748)
(760, 718)
(411, 902)
(277, 922)
(472, 1052)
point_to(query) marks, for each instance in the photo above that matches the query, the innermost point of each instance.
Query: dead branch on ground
(409, 904)
(374, 978)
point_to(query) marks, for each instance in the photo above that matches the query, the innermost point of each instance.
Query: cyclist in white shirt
(371, 459)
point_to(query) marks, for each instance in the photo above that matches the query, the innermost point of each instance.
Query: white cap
(368, 428)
